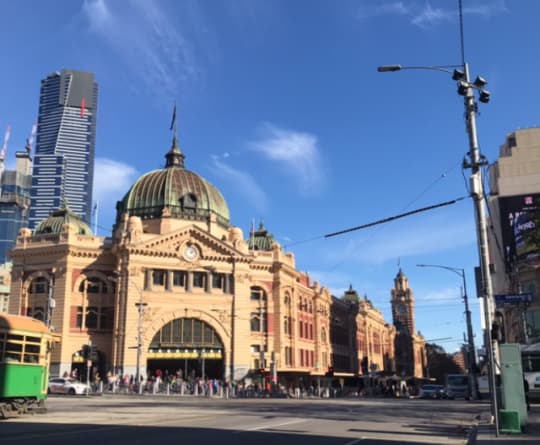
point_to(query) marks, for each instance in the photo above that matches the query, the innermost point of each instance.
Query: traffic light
(330, 372)
(261, 373)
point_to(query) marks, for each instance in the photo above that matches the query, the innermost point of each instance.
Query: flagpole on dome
(251, 241)
(95, 209)
(173, 124)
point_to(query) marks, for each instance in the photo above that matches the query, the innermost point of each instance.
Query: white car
(67, 386)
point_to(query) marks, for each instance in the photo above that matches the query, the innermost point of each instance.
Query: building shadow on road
(26, 433)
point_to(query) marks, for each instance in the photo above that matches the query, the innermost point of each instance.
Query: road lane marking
(269, 426)
(352, 442)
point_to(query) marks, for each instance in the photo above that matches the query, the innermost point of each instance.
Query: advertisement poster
(518, 215)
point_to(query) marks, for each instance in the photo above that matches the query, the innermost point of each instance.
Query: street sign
(506, 300)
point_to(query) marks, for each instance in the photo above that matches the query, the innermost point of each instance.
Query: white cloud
(243, 182)
(425, 15)
(296, 151)
(146, 40)
(112, 179)
(433, 16)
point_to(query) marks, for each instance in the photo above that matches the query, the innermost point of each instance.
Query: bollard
(168, 388)
(196, 389)
(182, 385)
(221, 392)
(101, 387)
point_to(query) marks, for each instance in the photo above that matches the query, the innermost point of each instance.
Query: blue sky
(280, 106)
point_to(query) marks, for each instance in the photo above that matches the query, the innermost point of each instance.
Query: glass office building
(65, 145)
(14, 201)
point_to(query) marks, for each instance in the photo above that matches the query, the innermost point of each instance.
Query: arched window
(287, 300)
(255, 323)
(93, 285)
(257, 294)
(323, 334)
(286, 325)
(39, 285)
(310, 308)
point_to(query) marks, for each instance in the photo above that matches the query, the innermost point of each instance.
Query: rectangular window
(179, 278)
(158, 277)
(199, 279)
(91, 317)
(255, 348)
(217, 281)
(79, 321)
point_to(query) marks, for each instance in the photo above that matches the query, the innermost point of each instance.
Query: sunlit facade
(198, 297)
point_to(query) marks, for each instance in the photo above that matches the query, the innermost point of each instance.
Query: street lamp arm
(456, 270)
(392, 68)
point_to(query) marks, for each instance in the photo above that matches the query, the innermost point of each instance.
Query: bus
(25, 346)
(457, 386)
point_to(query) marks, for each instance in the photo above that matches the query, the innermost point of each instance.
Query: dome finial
(174, 157)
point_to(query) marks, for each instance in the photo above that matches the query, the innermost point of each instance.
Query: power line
(393, 218)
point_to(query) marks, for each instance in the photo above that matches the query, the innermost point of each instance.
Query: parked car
(433, 392)
(67, 386)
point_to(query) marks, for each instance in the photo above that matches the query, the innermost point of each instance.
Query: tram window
(15, 337)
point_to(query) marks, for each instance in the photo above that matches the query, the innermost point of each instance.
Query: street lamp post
(475, 162)
(471, 359)
(140, 310)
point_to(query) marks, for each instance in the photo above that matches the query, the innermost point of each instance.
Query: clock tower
(402, 305)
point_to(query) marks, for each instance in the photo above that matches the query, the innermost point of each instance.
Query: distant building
(514, 209)
(14, 202)
(5, 281)
(65, 145)
(362, 342)
(410, 347)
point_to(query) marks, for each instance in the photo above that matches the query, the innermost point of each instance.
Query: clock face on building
(190, 253)
(402, 308)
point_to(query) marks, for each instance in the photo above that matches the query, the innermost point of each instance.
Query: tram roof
(21, 323)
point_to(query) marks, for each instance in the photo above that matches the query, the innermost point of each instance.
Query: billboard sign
(517, 219)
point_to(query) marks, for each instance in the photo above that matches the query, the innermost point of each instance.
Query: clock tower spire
(402, 302)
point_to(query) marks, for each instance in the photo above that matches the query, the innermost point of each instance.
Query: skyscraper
(65, 145)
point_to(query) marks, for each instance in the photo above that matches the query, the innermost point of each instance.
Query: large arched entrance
(187, 347)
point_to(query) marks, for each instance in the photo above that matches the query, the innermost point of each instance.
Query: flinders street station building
(177, 287)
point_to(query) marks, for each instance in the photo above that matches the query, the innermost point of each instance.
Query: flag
(173, 121)
(82, 106)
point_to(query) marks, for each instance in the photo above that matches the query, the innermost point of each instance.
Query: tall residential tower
(65, 145)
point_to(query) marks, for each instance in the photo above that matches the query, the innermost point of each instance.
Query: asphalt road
(103, 420)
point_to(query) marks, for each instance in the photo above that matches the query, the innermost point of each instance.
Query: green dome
(175, 191)
(56, 221)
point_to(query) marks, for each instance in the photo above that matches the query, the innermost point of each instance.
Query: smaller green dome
(260, 239)
(55, 222)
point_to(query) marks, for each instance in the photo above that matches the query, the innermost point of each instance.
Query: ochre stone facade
(180, 288)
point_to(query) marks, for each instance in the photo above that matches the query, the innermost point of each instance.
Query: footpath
(483, 433)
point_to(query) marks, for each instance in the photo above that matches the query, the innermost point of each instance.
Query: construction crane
(30, 139)
(4, 145)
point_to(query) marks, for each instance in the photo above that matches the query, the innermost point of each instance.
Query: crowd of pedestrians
(164, 382)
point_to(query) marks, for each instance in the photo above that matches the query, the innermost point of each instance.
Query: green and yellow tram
(25, 345)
